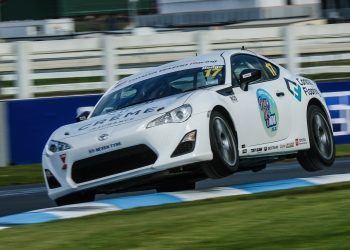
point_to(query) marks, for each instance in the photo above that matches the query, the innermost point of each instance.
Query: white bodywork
(128, 127)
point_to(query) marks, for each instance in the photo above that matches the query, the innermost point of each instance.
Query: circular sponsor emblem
(103, 137)
(268, 112)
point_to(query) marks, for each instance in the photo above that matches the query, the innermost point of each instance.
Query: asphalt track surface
(30, 197)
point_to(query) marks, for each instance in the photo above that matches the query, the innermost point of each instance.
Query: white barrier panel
(325, 49)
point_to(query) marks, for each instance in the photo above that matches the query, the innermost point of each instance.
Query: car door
(262, 111)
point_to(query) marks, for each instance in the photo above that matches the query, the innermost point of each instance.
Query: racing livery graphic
(206, 116)
(294, 89)
(268, 112)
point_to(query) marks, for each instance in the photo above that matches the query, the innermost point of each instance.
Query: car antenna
(243, 48)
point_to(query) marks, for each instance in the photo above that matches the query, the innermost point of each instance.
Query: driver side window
(243, 61)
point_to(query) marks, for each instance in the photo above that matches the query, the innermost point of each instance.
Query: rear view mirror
(247, 76)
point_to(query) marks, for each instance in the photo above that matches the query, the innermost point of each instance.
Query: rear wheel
(322, 149)
(223, 144)
(75, 198)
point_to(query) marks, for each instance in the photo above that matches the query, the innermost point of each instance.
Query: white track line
(79, 210)
(328, 179)
(208, 193)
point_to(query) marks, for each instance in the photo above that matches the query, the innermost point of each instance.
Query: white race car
(204, 116)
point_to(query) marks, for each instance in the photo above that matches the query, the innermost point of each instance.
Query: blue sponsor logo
(294, 89)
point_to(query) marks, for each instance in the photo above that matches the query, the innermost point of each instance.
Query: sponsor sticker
(271, 69)
(212, 70)
(246, 75)
(290, 145)
(233, 98)
(304, 81)
(311, 91)
(268, 112)
(116, 118)
(104, 148)
(300, 141)
(272, 147)
(63, 158)
(294, 89)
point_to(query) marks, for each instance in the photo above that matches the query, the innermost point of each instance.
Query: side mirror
(247, 76)
(83, 113)
(83, 116)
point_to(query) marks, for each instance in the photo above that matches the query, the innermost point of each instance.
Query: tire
(322, 149)
(223, 144)
(75, 198)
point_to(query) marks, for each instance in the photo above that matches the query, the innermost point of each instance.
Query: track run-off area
(18, 203)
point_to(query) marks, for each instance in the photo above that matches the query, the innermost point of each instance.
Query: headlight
(177, 115)
(57, 146)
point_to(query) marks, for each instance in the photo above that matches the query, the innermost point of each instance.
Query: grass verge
(343, 150)
(18, 175)
(306, 218)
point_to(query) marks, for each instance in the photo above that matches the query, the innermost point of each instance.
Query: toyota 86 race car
(207, 116)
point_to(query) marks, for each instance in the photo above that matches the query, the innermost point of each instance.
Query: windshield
(161, 86)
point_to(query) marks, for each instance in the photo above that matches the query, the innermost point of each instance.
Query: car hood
(112, 120)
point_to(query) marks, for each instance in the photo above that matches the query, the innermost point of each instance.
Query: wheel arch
(227, 115)
(318, 103)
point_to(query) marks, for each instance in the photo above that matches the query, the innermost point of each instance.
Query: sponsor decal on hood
(126, 115)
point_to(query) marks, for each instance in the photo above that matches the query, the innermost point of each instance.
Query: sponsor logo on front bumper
(104, 148)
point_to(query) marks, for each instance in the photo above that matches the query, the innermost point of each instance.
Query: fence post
(202, 42)
(4, 143)
(290, 39)
(109, 61)
(23, 71)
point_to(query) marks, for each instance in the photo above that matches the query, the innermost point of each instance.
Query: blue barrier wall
(31, 122)
(338, 86)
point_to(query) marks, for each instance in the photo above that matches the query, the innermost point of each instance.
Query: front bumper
(162, 140)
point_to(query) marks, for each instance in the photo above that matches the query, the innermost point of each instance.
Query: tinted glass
(242, 62)
(161, 86)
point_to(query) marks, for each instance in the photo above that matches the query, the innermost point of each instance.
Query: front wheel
(322, 149)
(223, 144)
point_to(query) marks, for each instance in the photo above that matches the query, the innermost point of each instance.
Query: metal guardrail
(114, 56)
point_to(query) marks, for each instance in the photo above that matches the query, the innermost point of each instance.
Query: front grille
(112, 163)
